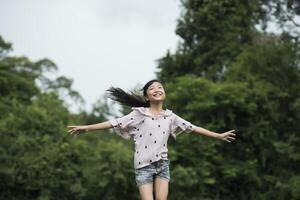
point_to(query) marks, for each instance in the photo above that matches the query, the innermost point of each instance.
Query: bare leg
(161, 187)
(146, 191)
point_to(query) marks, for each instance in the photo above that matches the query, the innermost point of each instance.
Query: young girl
(150, 127)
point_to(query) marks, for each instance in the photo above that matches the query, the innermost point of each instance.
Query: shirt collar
(144, 111)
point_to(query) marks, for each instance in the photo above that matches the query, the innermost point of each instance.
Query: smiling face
(155, 92)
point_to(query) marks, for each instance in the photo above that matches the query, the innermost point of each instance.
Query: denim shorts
(148, 173)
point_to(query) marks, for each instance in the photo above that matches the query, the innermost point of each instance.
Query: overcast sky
(97, 43)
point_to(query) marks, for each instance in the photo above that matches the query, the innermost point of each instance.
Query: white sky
(97, 43)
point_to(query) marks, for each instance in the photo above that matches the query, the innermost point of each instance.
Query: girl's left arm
(226, 136)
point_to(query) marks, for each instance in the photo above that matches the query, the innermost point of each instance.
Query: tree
(30, 131)
(213, 34)
(39, 160)
(231, 71)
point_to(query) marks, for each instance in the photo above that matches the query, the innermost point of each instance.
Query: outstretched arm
(226, 136)
(100, 126)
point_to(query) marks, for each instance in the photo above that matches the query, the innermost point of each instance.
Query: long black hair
(131, 99)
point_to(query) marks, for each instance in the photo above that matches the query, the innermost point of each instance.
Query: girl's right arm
(100, 126)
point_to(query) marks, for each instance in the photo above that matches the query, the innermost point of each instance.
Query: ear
(146, 98)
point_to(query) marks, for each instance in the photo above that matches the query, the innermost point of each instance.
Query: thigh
(164, 171)
(144, 175)
(146, 191)
(161, 188)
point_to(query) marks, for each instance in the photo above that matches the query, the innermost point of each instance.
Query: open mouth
(158, 94)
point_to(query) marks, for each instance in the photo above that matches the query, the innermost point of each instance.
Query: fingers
(229, 136)
(227, 140)
(76, 133)
(73, 130)
(230, 133)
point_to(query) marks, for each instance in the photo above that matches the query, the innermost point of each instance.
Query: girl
(150, 127)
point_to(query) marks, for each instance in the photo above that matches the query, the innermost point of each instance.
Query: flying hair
(130, 98)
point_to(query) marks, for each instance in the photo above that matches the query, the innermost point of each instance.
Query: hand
(75, 130)
(227, 136)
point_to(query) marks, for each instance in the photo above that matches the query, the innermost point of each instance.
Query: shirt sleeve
(123, 126)
(180, 125)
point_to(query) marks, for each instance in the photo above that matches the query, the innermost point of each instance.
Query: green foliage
(229, 73)
(109, 171)
(214, 33)
(265, 113)
(39, 160)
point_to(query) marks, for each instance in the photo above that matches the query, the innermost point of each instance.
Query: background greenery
(230, 71)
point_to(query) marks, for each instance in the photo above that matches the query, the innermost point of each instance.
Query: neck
(156, 107)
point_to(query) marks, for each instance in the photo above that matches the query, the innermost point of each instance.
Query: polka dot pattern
(150, 133)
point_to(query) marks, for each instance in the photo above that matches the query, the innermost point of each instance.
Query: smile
(157, 94)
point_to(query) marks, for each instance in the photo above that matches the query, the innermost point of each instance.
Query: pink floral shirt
(150, 133)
